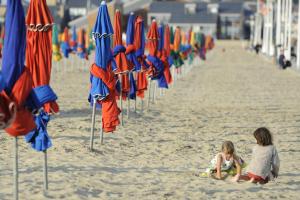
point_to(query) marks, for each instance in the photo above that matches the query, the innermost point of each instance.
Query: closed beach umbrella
(18, 81)
(81, 50)
(55, 44)
(73, 42)
(39, 63)
(139, 42)
(166, 55)
(176, 48)
(123, 66)
(65, 47)
(130, 47)
(1, 40)
(160, 54)
(103, 82)
(156, 65)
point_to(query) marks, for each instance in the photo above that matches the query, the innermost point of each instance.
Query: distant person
(293, 54)
(225, 161)
(283, 63)
(264, 165)
(257, 48)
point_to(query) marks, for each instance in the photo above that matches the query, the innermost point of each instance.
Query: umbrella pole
(121, 101)
(128, 107)
(16, 173)
(93, 124)
(45, 171)
(101, 136)
(149, 94)
(142, 105)
(135, 106)
(154, 93)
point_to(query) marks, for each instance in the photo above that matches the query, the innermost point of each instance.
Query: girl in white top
(264, 164)
(224, 161)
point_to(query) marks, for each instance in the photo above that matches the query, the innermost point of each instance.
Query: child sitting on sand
(226, 161)
(264, 164)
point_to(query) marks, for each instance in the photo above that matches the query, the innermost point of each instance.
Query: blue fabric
(159, 66)
(141, 51)
(118, 49)
(103, 54)
(15, 44)
(2, 83)
(103, 27)
(171, 61)
(74, 39)
(131, 57)
(81, 54)
(184, 48)
(39, 138)
(161, 38)
(132, 91)
(65, 48)
(39, 96)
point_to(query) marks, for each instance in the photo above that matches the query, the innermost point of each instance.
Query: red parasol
(39, 47)
(166, 54)
(120, 57)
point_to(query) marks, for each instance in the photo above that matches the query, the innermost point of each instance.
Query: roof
(231, 7)
(201, 18)
(174, 7)
(81, 3)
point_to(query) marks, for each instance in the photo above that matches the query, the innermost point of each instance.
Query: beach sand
(160, 153)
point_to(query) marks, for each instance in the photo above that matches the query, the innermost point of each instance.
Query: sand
(160, 153)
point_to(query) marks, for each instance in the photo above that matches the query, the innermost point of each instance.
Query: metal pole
(16, 172)
(121, 100)
(45, 171)
(101, 135)
(149, 94)
(93, 124)
(128, 107)
(298, 40)
(289, 36)
(278, 28)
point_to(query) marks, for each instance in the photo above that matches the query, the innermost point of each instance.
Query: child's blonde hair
(228, 147)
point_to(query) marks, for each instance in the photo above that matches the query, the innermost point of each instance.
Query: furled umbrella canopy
(130, 47)
(73, 42)
(156, 66)
(160, 54)
(123, 65)
(176, 48)
(17, 79)
(65, 47)
(39, 63)
(55, 44)
(168, 61)
(81, 50)
(103, 82)
(1, 40)
(139, 42)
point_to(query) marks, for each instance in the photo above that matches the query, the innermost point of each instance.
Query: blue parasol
(103, 55)
(130, 51)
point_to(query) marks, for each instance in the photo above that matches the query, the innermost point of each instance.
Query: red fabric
(258, 179)
(110, 110)
(122, 64)
(177, 39)
(39, 47)
(153, 38)
(141, 80)
(166, 53)
(24, 121)
(38, 15)
(7, 110)
(130, 48)
(137, 31)
(125, 86)
(66, 35)
(142, 84)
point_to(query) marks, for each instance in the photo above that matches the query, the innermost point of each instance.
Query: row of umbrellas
(120, 72)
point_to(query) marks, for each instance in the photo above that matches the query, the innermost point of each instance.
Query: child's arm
(238, 168)
(219, 163)
(275, 164)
